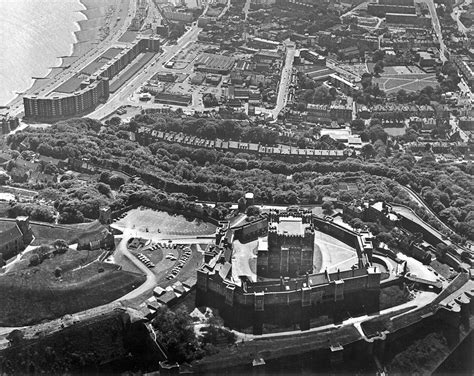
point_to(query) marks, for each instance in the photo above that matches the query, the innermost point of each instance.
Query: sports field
(391, 84)
(394, 78)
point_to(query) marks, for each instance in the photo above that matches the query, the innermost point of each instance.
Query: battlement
(276, 215)
(291, 285)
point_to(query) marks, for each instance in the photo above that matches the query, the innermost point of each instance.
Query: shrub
(34, 260)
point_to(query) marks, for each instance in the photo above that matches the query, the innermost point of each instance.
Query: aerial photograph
(236, 187)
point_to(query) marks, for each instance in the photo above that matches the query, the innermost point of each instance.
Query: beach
(104, 22)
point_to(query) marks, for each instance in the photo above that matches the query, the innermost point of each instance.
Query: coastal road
(121, 97)
(56, 79)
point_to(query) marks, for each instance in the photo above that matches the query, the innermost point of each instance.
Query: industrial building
(211, 63)
(312, 56)
(264, 44)
(407, 19)
(173, 99)
(381, 10)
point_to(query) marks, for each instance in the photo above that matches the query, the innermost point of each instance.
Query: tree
(356, 222)
(50, 169)
(60, 245)
(366, 80)
(2, 260)
(377, 133)
(378, 68)
(4, 178)
(175, 331)
(116, 181)
(378, 56)
(103, 188)
(367, 151)
(253, 211)
(34, 260)
(57, 272)
(242, 204)
(328, 207)
(301, 106)
(15, 337)
(321, 94)
(114, 121)
(358, 125)
(209, 100)
(423, 99)
(105, 177)
(402, 96)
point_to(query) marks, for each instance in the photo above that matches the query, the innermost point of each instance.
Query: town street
(121, 97)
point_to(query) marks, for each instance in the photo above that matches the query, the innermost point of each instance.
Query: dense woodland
(176, 175)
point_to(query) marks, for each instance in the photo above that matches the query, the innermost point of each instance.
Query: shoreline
(90, 33)
(51, 73)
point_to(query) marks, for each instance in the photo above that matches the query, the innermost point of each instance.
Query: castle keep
(288, 292)
(290, 245)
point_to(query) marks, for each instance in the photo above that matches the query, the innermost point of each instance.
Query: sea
(34, 34)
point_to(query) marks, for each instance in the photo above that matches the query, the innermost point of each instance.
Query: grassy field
(142, 218)
(392, 296)
(32, 294)
(46, 234)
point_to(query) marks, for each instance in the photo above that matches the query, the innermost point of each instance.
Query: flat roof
(71, 85)
(103, 59)
(214, 61)
(291, 226)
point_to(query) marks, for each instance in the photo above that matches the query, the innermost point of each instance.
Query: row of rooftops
(170, 294)
(328, 107)
(236, 145)
(394, 107)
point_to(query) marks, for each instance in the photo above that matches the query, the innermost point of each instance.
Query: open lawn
(332, 254)
(144, 219)
(4, 206)
(31, 294)
(46, 234)
(392, 296)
